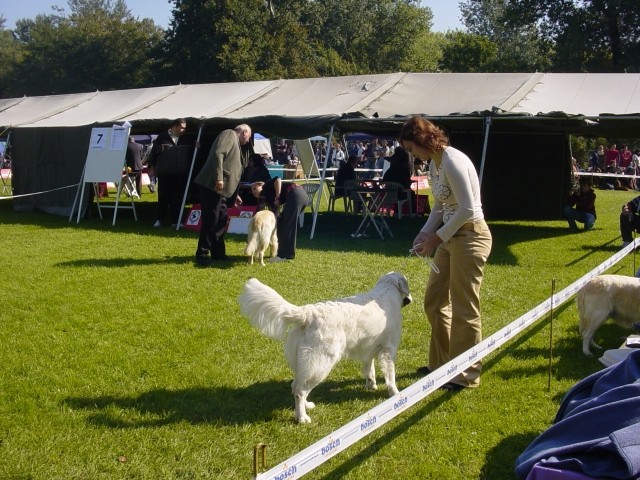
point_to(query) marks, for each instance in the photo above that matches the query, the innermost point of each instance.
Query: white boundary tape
(334, 443)
(11, 197)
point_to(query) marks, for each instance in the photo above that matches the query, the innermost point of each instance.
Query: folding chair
(311, 189)
(392, 199)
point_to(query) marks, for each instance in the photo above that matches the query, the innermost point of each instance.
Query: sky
(445, 12)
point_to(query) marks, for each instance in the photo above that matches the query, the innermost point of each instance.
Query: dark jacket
(345, 172)
(163, 142)
(399, 171)
(584, 201)
(134, 156)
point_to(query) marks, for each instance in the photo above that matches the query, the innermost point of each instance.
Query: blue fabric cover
(597, 428)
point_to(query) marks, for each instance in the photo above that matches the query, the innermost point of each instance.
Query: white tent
(386, 95)
(51, 131)
(262, 145)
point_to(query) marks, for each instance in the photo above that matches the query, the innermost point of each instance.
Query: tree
(210, 41)
(468, 53)
(99, 46)
(575, 35)
(518, 47)
(11, 53)
(376, 36)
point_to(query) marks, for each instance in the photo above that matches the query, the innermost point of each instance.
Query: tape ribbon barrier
(334, 443)
(11, 197)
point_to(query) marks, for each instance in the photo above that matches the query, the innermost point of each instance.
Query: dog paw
(393, 391)
(310, 405)
(304, 419)
(370, 385)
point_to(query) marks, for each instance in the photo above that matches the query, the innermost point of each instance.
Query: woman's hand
(425, 244)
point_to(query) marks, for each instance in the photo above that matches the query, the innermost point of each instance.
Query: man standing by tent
(133, 158)
(218, 182)
(169, 158)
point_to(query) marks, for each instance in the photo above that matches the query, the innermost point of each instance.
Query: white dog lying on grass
(607, 296)
(360, 327)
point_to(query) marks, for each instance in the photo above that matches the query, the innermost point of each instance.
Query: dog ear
(404, 286)
(401, 283)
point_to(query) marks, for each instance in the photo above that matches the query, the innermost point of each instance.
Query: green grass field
(122, 360)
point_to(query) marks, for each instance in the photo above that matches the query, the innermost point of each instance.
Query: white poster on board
(98, 138)
(119, 138)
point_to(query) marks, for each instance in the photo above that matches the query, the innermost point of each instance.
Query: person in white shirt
(337, 155)
(459, 239)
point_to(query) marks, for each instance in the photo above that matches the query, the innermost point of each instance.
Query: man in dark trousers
(170, 156)
(218, 182)
(133, 158)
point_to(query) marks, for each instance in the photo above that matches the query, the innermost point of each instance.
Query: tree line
(100, 45)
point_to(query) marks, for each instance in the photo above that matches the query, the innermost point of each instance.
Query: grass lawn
(122, 360)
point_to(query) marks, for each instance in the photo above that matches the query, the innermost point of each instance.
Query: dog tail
(267, 310)
(580, 300)
(252, 244)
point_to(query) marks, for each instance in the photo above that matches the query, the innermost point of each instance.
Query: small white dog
(360, 327)
(607, 296)
(262, 233)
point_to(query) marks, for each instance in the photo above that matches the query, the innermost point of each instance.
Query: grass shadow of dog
(232, 406)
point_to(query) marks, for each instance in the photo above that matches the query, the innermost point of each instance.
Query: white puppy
(607, 296)
(360, 327)
(262, 233)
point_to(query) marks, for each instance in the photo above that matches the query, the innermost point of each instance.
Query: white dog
(262, 233)
(360, 327)
(607, 296)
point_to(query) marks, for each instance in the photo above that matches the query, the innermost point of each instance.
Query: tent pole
(75, 200)
(321, 189)
(186, 187)
(487, 126)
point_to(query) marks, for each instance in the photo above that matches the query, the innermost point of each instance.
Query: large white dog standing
(607, 296)
(360, 327)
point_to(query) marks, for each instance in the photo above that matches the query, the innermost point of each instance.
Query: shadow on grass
(128, 262)
(332, 233)
(500, 460)
(256, 403)
(505, 235)
(393, 434)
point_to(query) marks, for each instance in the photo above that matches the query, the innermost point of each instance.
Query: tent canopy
(302, 108)
(506, 116)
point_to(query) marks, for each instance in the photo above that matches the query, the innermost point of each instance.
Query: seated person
(419, 168)
(629, 220)
(584, 200)
(345, 172)
(256, 170)
(400, 171)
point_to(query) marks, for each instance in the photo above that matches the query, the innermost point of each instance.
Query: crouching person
(629, 220)
(581, 206)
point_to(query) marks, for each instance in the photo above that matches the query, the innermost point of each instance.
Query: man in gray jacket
(218, 182)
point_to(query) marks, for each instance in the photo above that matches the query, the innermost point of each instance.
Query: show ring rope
(337, 441)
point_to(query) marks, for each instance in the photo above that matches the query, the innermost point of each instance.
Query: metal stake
(553, 292)
(260, 448)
